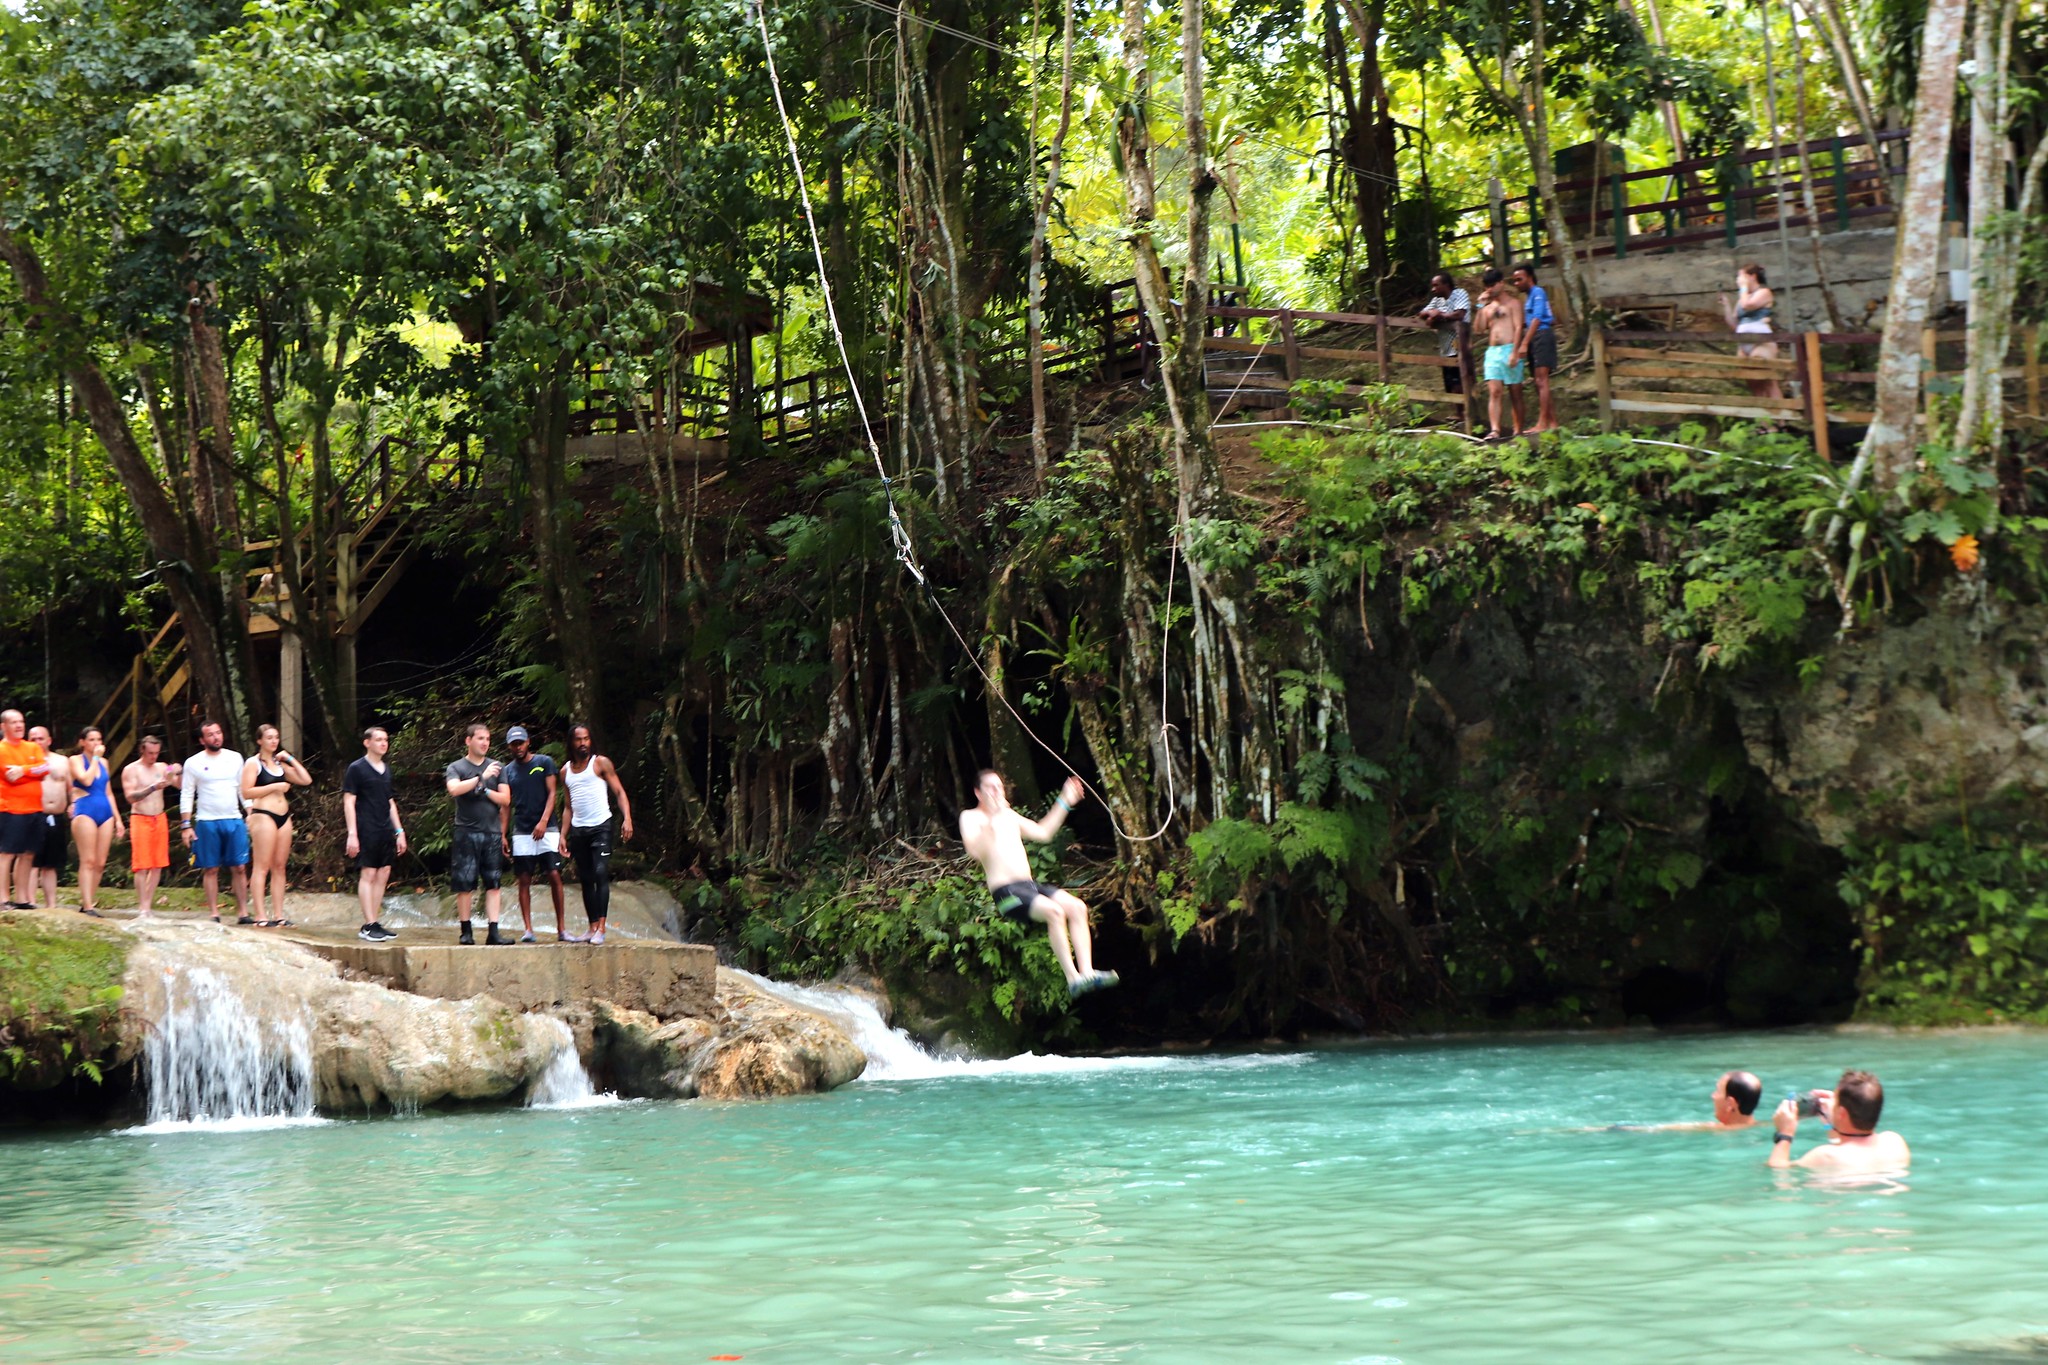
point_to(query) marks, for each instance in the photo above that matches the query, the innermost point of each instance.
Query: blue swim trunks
(220, 843)
(1498, 366)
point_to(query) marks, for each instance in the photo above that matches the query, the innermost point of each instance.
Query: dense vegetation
(1432, 731)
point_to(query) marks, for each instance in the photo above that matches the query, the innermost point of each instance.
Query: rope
(899, 535)
(906, 554)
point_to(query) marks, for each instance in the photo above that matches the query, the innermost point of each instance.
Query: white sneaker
(597, 939)
(573, 938)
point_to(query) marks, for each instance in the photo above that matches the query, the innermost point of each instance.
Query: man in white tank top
(588, 776)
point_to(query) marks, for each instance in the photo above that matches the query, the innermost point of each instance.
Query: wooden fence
(1824, 378)
(1684, 203)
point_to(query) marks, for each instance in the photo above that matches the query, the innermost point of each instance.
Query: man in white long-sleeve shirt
(210, 809)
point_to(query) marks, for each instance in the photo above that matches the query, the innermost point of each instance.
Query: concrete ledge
(665, 979)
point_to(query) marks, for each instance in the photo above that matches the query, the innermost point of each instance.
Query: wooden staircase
(377, 541)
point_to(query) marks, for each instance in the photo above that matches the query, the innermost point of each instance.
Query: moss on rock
(60, 998)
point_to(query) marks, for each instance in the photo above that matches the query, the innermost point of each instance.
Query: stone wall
(1859, 267)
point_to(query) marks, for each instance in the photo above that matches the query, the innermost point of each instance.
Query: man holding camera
(1851, 1109)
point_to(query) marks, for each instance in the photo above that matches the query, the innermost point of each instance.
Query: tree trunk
(1191, 357)
(1034, 330)
(1980, 425)
(1890, 449)
(162, 526)
(1812, 206)
(554, 543)
(1822, 15)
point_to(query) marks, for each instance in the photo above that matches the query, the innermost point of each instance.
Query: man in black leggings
(589, 777)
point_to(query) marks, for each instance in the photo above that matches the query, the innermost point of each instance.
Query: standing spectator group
(1519, 332)
(235, 812)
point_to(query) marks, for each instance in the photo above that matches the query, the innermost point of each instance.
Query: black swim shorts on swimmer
(1013, 899)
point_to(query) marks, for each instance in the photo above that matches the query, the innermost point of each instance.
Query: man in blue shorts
(210, 809)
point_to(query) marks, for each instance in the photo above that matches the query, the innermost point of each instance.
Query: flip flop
(280, 924)
(248, 919)
(88, 910)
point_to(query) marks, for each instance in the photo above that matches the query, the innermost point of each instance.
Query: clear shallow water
(1420, 1203)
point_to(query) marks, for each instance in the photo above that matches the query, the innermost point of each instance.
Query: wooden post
(291, 671)
(1497, 204)
(1535, 229)
(1291, 352)
(1620, 191)
(1379, 345)
(1602, 386)
(1928, 337)
(1465, 371)
(1841, 185)
(2034, 373)
(1813, 375)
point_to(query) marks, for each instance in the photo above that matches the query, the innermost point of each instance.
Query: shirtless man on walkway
(144, 783)
(1500, 322)
(56, 849)
(1851, 1109)
(995, 835)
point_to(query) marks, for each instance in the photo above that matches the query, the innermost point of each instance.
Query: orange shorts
(149, 843)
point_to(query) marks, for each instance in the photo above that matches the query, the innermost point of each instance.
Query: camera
(1808, 1104)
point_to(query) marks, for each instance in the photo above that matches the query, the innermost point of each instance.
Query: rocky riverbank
(86, 1001)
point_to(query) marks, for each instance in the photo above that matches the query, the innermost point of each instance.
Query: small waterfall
(564, 1084)
(892, 1056)
(211, 1063)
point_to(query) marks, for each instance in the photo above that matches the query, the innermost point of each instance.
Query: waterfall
(564, 1084)
(892, 1056)
(211, 1063)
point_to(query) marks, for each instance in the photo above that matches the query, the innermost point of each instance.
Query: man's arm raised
(1042, 831)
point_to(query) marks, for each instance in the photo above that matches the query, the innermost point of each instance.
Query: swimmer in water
(1735, 1100)
(995, 835)
(1851, 1110)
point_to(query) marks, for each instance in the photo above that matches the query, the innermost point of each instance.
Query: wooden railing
(1661, 374)
(1718, 200)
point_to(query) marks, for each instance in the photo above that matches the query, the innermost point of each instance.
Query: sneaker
(385, 931)
(494, 938)
(373, 933)
(1080, 986)
(528, 937)
(1104, 980)
(572, 938)
(596, 940)
(466, 936)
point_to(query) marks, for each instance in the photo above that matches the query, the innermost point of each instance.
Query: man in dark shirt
(480, 793)
(376, 836)
(530, 842)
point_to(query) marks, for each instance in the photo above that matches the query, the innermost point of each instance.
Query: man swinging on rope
(995, 835)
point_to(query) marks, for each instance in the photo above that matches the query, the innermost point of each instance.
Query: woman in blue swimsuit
(95, 823)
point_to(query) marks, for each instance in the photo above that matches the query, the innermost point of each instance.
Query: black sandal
(88, 910)
(248, 919)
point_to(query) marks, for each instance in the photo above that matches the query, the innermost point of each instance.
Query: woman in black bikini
(267, 781)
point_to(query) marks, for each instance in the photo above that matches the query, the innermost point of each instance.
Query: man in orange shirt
(22, 766)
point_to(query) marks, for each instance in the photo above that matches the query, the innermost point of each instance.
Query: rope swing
(899, 534)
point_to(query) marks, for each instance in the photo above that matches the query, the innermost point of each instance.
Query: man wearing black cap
(533, 847)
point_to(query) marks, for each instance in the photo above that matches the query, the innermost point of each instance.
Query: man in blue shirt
(1539, 344)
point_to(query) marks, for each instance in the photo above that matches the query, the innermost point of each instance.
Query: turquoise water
(1420, 1203)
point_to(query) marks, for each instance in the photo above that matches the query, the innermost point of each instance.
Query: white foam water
(212, 1066)
(565, 1084)
(893, 1056)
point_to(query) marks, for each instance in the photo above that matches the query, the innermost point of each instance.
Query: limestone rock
(638, 1054)
(770, 1047)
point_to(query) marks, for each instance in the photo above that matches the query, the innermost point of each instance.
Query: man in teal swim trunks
(995, 835)
(1500, 322)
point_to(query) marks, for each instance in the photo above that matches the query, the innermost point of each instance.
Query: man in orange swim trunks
(22, 766)
(144, 782)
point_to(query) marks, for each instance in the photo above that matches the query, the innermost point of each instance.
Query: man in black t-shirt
(530, 841)
(376, 836)
(478, 786)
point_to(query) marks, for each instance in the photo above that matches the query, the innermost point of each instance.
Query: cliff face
(1911, 726)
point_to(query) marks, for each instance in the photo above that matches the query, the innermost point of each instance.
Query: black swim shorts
(1013, 900)
(56, 842)
(378, 845)
(1543, 349)
(21, 831)
(475, 859)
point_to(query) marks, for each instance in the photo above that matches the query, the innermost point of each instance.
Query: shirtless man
(144, 783)
(995, 835)
(1851, 1109)
(1735, 1099)
(54, 852)
(23, 765)
(1500, 322)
